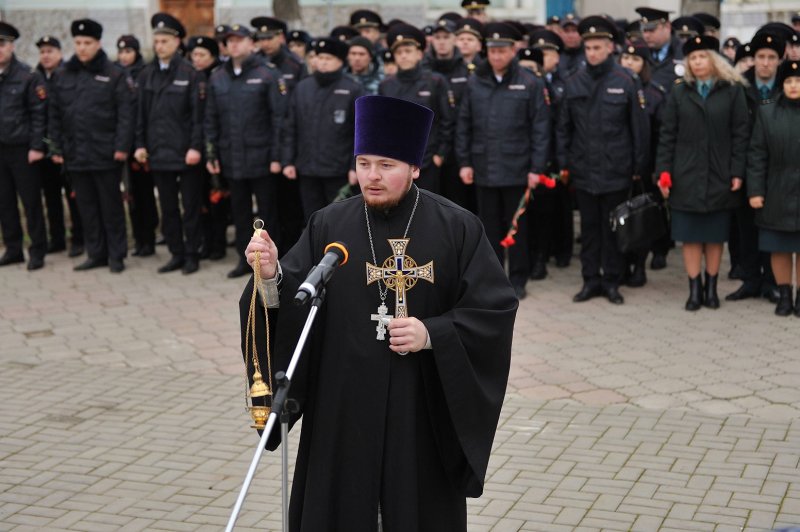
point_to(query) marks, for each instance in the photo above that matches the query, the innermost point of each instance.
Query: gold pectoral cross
(400, 273)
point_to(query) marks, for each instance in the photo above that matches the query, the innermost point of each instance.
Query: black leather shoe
(147, 250)
(216, 255)
(240, 270)
(613, 295)
(747, 290)
(35, 263)
(695, 300)
(190, 266)
(90, 264)
(7, 259)
(658, 262)
(520, 292)
(589, 291)
(770, 291)
(736, 273)
(711, 297)
(784, 306)
(174, 264)
(638, 277)
(76, 250)
(56, 247)
(161, 241)
(136, 251)
(116, 266)
(539, 270)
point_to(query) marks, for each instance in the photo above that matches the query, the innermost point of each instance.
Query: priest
(402, 381)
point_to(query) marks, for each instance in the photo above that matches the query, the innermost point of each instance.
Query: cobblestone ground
(121, 408)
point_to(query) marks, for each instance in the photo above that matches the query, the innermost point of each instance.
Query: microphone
(335, 255)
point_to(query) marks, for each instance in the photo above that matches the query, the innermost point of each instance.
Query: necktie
(704, 90)
(764, 92)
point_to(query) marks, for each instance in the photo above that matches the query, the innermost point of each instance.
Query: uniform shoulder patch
(41, 92)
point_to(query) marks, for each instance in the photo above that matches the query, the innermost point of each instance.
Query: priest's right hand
(269, 254)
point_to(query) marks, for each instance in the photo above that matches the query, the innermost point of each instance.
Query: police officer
(469, 40)
(219, 35)
(572, 56)
(317, 144)
(416, 84)
(55, 184)
(369, 25)
(711, 24)
(550, 221)
(687, 27)
(23, 112)
(665, 48)
(445, 58)
(476, 9)
(244, 108)
(757, 279)
(90, 122)
(299, 43)
(270, 34)
(602, 139)
(363, 64)
(139, 182)
(502, 143)
(169, 136)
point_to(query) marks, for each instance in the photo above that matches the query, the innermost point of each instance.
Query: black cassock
(412, 433)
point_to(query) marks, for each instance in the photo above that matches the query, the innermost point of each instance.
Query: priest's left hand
(407, 335)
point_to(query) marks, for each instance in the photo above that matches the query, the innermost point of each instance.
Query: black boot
(711, 298)
(638, 278)
(784, 306)
(539, 270)
(695, 300)
(797, 303)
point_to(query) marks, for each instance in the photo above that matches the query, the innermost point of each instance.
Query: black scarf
(327, 78)
(94, 65)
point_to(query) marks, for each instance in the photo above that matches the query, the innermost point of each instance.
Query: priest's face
(384, 181)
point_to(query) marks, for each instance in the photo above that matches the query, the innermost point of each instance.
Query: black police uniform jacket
(421, 86)
(291, 68)
(90, 114)
(454, 70)
(703, 144)
(170, 113)
(753, 95)
(319, 128)
(773, 165)
(602, 132)
(243, 119)
(412, 433)
(23, 108)
(671, 68)
(503, 128)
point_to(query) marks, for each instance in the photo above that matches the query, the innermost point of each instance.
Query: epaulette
(659, 86)
(678, 81)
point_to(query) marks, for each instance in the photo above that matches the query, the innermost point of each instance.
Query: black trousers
(290, 212)
(496, 208)
(265, 190)
(189, 183)
(142, 205)
(215, 213)
(454, 189)
(564, 238)
(601, 260)
(543, 223)
(429, 178)
(102, 212)
(755, 265)
(55, 186)
(318, 192)
(18, 178)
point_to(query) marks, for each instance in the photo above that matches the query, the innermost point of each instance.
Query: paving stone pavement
(121, 408)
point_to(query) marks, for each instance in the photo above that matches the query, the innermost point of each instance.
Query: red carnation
(665, 180)
(508, 241)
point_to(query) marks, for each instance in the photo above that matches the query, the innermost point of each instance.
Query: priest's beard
(384, 204)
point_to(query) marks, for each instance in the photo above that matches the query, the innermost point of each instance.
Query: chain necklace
(383, 292)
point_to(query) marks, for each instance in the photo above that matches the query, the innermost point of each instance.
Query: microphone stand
(281, 407)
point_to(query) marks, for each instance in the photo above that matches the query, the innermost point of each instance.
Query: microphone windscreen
(340, 249)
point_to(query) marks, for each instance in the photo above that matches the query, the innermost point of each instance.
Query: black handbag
(638, 222)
